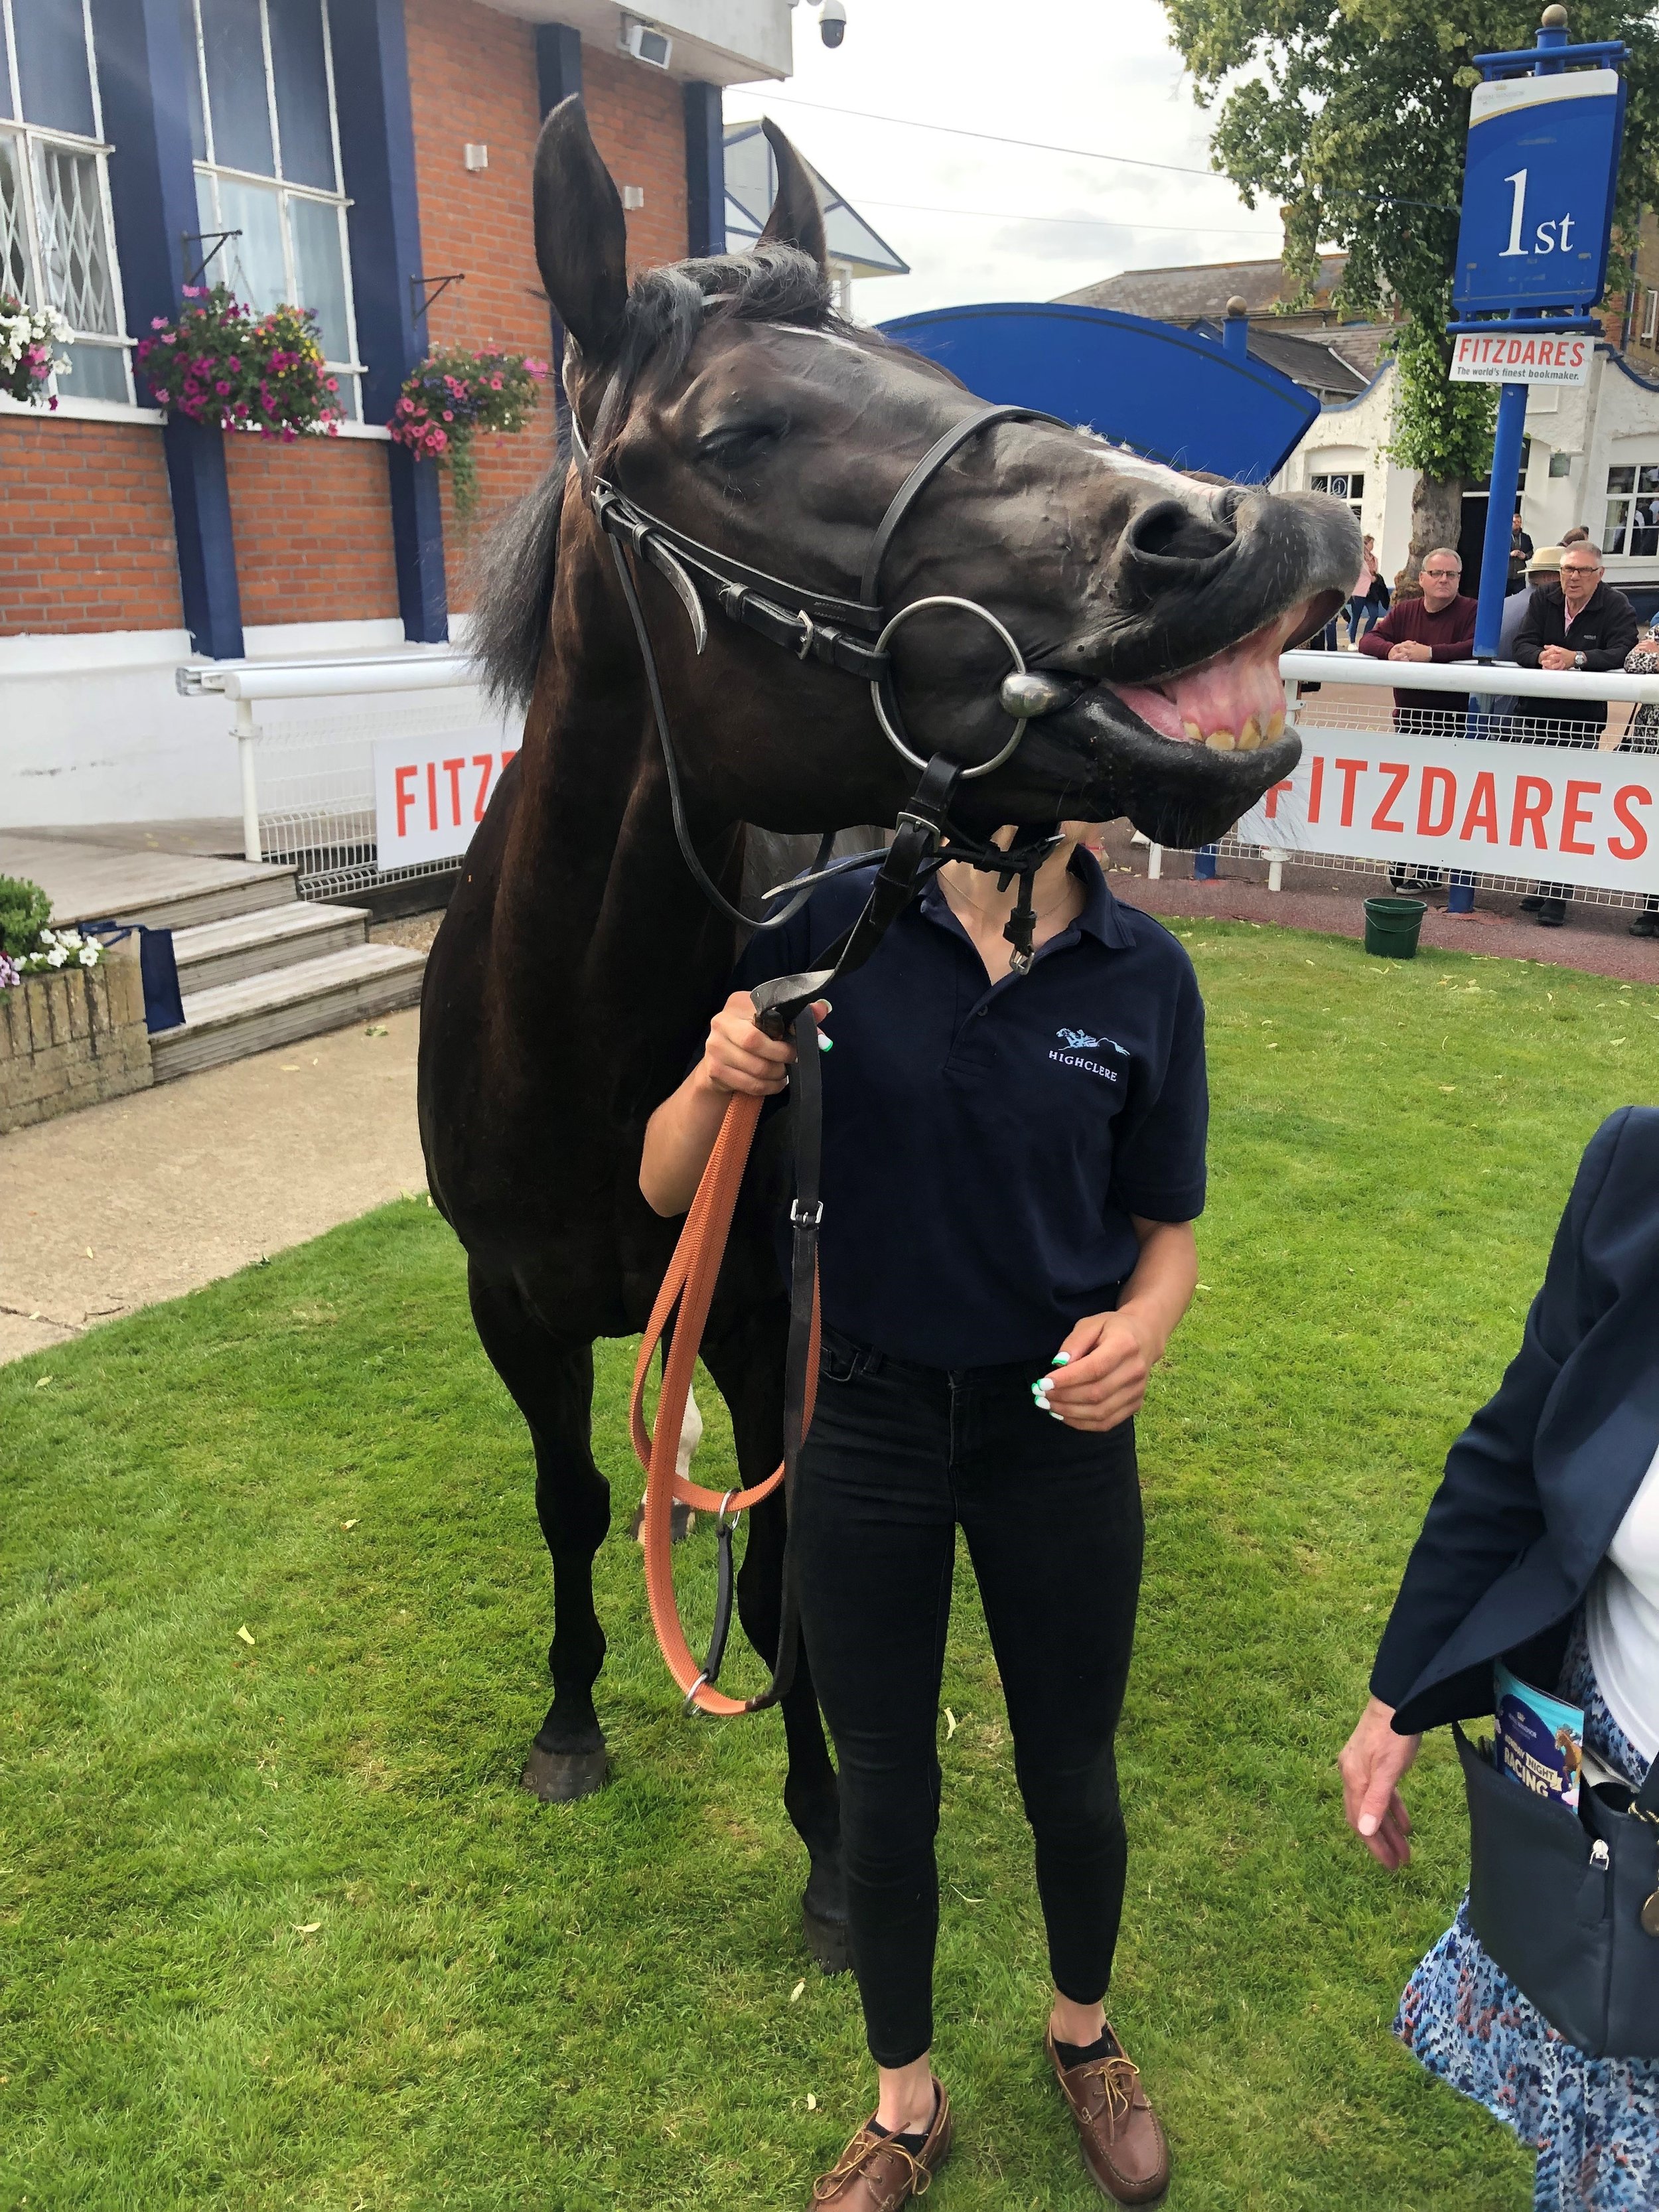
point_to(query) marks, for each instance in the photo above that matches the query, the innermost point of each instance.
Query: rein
(853, 637)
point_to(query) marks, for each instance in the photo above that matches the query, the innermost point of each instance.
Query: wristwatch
(1578, 660)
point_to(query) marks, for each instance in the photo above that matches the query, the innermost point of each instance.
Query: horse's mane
(667, 308)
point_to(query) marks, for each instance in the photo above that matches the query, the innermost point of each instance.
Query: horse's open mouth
(1233, 702)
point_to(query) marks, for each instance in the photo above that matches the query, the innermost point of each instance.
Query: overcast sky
(978, 222)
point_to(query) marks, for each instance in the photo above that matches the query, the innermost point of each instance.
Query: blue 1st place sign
(1538, 188)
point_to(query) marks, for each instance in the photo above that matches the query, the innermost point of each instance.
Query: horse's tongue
(1235, 701)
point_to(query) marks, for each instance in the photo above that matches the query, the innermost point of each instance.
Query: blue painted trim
(377, 153)
(705, 170)
(558, 64)
(142, 60)
(1635, 375)
(1492, 326)
(1341, 406)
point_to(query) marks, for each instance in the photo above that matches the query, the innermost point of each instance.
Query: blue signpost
(1545, 125)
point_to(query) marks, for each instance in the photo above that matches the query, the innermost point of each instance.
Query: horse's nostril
(1171, 531)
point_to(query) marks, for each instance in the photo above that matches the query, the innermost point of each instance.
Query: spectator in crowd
(1438, 626)
(1583, 625)
(1369, 601)
(1543, 567)
(1577, 536)
(1520, 556)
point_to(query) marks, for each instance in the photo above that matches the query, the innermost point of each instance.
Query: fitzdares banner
(1551, 813)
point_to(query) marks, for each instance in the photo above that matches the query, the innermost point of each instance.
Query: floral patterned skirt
(1594, 2122)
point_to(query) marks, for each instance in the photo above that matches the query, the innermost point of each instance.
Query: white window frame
(211, 171)
(1354, 500)
(1649, 316)
(31, 140)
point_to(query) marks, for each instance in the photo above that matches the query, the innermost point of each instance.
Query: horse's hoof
(560, 1778)
(827, 1940)
(682, 1520)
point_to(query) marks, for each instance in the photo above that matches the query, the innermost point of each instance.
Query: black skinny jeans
(897, 1456)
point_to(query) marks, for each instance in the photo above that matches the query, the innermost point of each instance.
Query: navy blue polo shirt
(985, 1143)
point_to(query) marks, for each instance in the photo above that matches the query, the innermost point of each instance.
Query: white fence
(1510, 796)
(308, 787)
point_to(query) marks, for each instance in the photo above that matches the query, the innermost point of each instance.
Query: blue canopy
(1166, 393)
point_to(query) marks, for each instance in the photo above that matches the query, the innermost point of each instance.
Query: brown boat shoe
(1123, 2145)
(876, 2173)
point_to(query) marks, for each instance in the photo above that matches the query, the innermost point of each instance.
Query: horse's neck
(607, 933)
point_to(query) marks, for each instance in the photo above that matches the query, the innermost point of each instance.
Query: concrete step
(270, 937)
(233, 1020)
(167, 891)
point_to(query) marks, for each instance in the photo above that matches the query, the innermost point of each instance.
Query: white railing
(307, 785)
(309, 792)
(1354, 702)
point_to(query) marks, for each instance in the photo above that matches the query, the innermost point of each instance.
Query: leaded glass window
(56, 243)
(268, 166)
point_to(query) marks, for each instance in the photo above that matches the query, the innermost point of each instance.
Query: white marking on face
(824, 338)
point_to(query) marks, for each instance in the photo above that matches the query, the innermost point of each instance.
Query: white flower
(88, 955)
(70, 940)
(57, 957)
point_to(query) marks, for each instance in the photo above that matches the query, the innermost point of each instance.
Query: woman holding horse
(1011, 1166)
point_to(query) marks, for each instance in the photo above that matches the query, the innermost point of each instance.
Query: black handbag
(1567, 1903)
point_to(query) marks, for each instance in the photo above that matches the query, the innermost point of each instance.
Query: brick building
(359, 151)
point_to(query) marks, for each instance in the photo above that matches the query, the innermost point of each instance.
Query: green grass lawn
(279, 1928)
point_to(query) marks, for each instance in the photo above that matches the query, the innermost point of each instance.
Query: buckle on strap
(805, 1218)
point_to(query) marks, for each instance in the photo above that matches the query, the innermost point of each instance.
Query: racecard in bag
(1540, 1739)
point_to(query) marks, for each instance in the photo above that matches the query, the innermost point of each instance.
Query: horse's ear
(796, 218)
(581, 236)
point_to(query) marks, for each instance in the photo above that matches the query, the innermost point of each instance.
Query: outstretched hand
(1373, 1761)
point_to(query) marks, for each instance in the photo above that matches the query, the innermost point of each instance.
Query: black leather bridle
(851, 636)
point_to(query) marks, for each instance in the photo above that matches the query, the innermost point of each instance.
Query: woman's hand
(1099, 1374)
(740, 1056)
(1109, 1358)
(680, 1135)
(1373, 1760)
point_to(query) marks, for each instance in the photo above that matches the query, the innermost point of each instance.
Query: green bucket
(1392, 925)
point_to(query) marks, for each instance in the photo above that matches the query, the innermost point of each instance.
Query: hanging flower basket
(28, 335)
(455, 394)
(221, 365)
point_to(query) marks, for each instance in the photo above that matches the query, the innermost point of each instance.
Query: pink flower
(333, 383)
(158, 322)
(494, 384)
(160, 396)
(449, 415)
(194, 292)
(221, 388)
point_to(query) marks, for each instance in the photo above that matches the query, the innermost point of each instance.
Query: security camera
(832, 22)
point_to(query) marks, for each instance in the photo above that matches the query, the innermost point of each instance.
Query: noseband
(852, 637)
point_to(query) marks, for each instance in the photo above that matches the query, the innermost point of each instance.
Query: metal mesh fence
(316, 793)
(1492, 719)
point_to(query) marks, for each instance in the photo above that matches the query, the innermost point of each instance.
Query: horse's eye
(737, 444)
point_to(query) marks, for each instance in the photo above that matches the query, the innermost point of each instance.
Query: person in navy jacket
(1541, 1548)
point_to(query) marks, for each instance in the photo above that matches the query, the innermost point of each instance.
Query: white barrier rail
(307, 785)
(317, 806)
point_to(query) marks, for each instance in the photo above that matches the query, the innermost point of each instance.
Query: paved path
(150, 1196)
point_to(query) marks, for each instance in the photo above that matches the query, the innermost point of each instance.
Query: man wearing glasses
(1439, 626)
(1583, 625)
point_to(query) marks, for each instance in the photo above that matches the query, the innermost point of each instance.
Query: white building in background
(1591, 457)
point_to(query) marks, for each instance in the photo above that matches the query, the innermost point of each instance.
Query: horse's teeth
(1221, 741)
(1276, 723)
(1193, 735)
(1250, 736)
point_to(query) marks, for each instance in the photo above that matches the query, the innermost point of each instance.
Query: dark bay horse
(571, 982)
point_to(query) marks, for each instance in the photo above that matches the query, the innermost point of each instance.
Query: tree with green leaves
(1353, 114)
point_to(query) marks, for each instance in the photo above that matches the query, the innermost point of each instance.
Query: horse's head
(726, 397)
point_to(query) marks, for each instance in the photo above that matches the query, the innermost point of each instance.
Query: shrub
(25, 910)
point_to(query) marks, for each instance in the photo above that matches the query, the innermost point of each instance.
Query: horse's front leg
(551, 1382)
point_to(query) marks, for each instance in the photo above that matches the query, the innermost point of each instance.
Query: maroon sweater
(1449, 635)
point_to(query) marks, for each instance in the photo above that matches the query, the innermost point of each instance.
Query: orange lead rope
(689, 1286)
